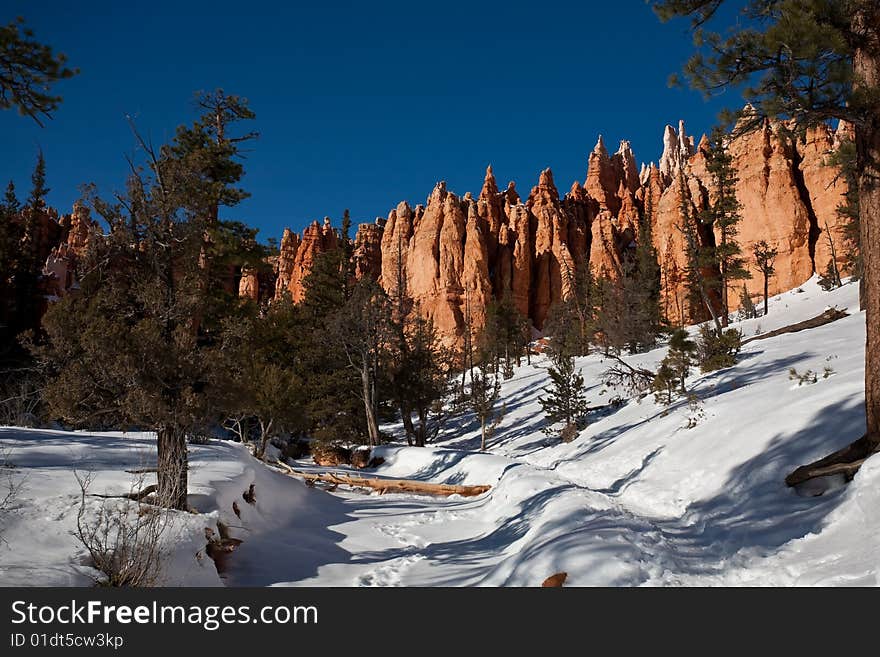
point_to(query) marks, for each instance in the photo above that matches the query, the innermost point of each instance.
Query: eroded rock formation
(453, 255)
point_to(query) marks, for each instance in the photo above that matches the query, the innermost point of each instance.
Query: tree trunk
(422, 433)
(172, 469)
(867, 136)
(834, 270)
(482, 434)
(406, 417)
(265, 432)
(369, 408)
(725, 309)
(766, 290)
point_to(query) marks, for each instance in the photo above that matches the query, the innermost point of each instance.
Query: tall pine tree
(724, 216)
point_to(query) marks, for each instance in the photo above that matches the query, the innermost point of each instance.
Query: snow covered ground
(637, 499)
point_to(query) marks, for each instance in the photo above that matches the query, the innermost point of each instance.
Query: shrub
(806, 378)
(122, 538)
(716, 352)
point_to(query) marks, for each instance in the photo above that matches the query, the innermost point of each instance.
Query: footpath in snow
(637, 499)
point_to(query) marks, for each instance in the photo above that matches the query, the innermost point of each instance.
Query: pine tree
(419, 373)
(697, 255)
(831, 276)
(565, 328)
(334, 403)
(648, 278)
(628, 310)
(724, 215)
(765, 256)
(362, 329)
(715, 352)
(844, 157)
(566, 401)
(10, 250)
(211, 152)
(256, 376)
(747, 308)
(676, 366)
(125, 350)
(503, 335)
(482, 396)
(27, 266)
(28, 69)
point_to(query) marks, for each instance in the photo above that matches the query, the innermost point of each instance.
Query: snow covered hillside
(639, 498)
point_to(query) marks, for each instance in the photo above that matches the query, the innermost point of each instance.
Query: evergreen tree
(765, 256)
(362, 329)
(564, 327)
(724, 215)
(628, 311)
(676, 366)
(333, 404)
(648, 279)
(125, 350)
(419, 373)
(26, 230)
(211, 156)
(844, 157)
(37, 200)
(346, 241)
(747, 308)
(10, 250)
(566, 401)
(483, 395)
(697, 255)
(831, 276)
(503, 335)
(715, 352)
(28, 69)
(256, 374)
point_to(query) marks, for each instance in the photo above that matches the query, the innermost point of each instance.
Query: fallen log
(846, 461)
(136, 496)
(385, 485)
(830, 315)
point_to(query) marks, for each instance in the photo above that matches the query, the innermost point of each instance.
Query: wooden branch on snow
(386, 485)
(137, 496)
(830, 315)
(846, 461)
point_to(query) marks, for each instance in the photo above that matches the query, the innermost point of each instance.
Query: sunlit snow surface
(637, 499)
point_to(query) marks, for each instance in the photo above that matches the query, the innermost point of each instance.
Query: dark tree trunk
(406, 417)
(422, 434)
(369, 407)
(172, 468)
(867, 135)
(766, 290)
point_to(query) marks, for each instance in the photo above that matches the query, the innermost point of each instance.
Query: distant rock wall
(454, 254)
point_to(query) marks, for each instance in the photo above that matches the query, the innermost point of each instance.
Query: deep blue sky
(359, 105)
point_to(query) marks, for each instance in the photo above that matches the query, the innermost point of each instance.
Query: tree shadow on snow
(737, 377)
(756, 513)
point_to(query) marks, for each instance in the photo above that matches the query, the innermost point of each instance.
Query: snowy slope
(637, 499)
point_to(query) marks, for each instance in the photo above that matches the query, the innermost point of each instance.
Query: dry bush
(123, 538)
(10, 485)
(21, 401)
